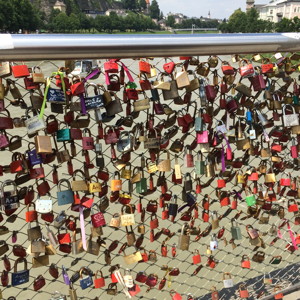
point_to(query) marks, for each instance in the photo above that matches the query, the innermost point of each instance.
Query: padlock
(66, 196)
(235, 230)
(245, 263)
(173, 208)
(188, 184)
(196, 257)
(214, 220)
(243, 291)
(9, 199)
(213, 243)
(184, 238)
(228, 283)
(31, 215)
(116, 184)
(99, 282)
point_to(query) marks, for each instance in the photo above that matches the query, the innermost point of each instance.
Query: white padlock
(228, 283)
(128, 280)
(213, 243)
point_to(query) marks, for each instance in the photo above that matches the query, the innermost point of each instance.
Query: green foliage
(246, 22)
(130, 4)
(154, 10)
(170, 21)
(188, 23)
(132, 22)
(18, 14)
(142, 4)
(286, 25)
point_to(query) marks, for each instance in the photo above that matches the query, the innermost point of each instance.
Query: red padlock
(196, 257)
(224, 199)
(292, 207)
(99, 282)
(153, 221)
(87, 141)
(175, 296)
(169, 67)
(97, 218)
(214, 294)
(64, 238)
(243, 291)
(165, 212)
(285, 181)
(245, 263)
(221, 183)
(205, 202)
(164, 249)
(141, 277)
(205, 215)
(31, 215)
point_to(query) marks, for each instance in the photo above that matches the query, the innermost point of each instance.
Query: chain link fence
(214, 263)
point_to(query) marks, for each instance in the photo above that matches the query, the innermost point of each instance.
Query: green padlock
(141, 186)
(200, 164)
(250, 198)
(235, 230)
(63, 135)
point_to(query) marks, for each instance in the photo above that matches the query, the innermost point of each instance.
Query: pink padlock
(87, 141)
(202, 137)
(285, 181)
(188, 158)
(4, 142)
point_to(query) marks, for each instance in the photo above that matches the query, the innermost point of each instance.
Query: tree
(170, 21)
(130, 4)
(142, 4)
(240, 21)
(154, 10)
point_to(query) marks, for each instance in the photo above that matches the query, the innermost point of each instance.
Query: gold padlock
(152, 167)
(43, 144)
(126, 173)
(141, 228)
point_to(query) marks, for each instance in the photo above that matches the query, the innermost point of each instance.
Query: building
(60, 6)
(119, 12)
(275, 10)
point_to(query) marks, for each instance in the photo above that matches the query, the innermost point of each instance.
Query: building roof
(59, 3)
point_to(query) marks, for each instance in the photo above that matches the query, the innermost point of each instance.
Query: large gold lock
(202, 69)
(152, 167)
(94, 187)
(126, 173)
(43, 144)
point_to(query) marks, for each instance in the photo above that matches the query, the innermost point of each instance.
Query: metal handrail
(75, 46)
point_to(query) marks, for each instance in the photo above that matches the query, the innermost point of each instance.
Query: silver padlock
(213, 243)
(128, 280)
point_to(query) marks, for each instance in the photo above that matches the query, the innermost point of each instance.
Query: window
(298, 9)
(271, 12)
(295, 9)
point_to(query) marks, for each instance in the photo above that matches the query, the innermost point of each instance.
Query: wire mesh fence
(214, 196)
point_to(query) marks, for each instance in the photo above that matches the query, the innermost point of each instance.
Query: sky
(219, 9)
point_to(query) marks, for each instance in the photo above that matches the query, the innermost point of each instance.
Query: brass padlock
(141, 228)
(184, 238)
(43, 144)
(38, 246)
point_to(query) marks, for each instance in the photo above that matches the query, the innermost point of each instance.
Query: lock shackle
(61, 181)
(20, 260)
(83, 270)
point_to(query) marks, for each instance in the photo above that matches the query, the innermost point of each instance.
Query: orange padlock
(116, 184)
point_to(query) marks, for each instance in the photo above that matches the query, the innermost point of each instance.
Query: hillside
(101, 5)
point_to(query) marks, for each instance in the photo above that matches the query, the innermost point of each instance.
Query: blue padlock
(87, 281)
(66, 196)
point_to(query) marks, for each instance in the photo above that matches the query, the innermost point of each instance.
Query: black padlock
(100, 161)
(188, 184)
(75, 277)
(173, 208)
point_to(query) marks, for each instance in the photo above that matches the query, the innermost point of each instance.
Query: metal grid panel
(227, 255)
